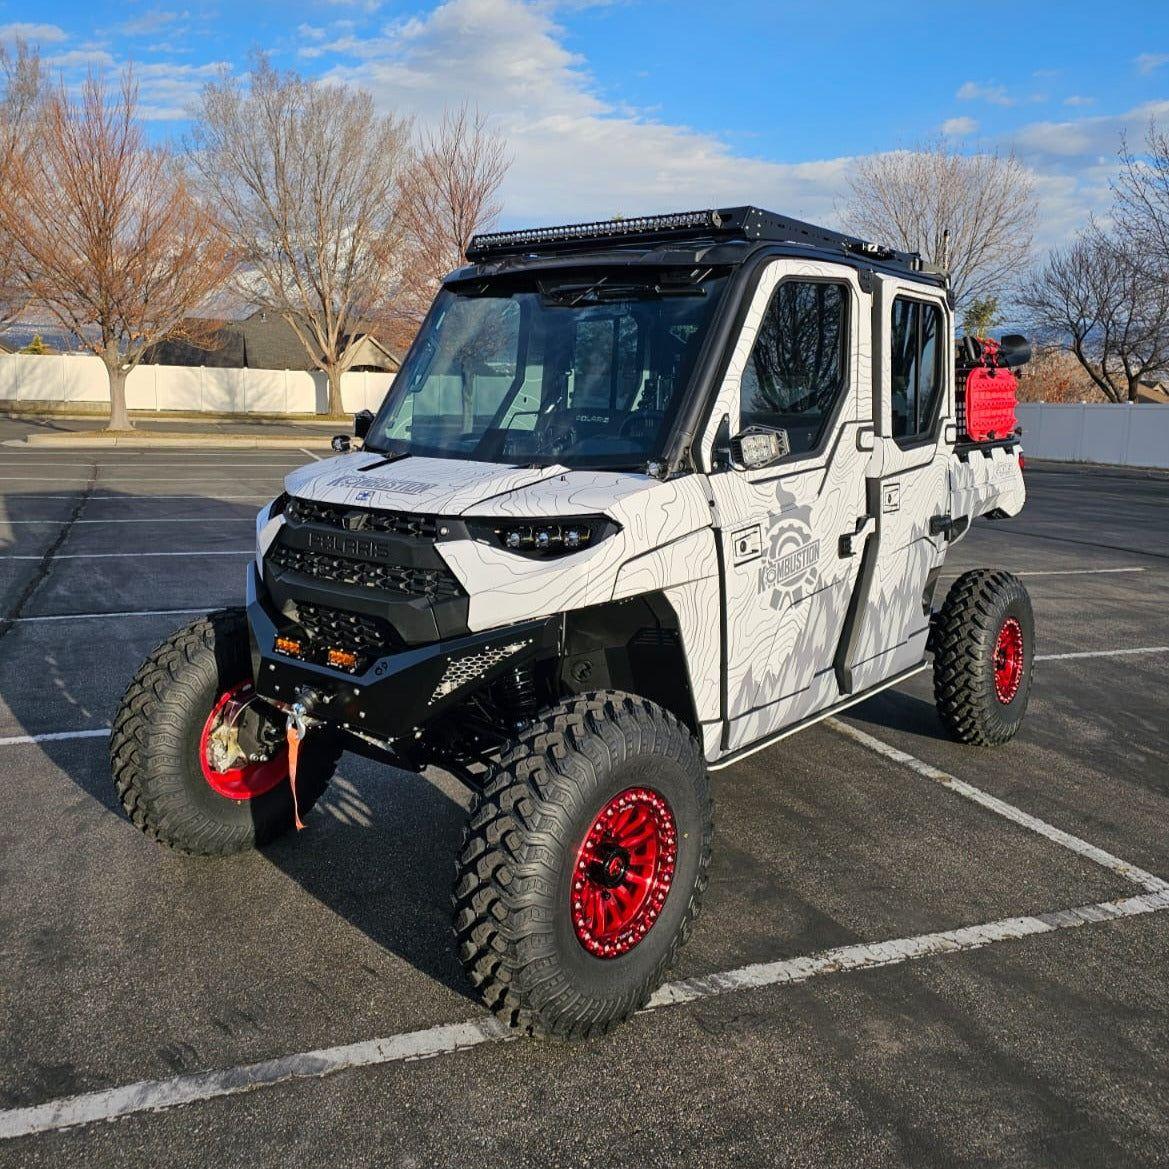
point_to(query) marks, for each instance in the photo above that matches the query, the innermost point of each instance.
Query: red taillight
(1022, 462)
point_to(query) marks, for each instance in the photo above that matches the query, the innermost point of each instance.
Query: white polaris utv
(646, 496)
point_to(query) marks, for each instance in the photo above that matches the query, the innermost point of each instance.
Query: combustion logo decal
(791, 563)
(374, 483)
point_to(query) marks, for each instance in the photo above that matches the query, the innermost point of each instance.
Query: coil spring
(518, 694)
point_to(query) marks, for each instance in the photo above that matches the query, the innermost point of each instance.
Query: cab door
(913, 415)
(800, 365)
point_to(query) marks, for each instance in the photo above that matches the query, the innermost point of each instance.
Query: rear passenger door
(913, 411)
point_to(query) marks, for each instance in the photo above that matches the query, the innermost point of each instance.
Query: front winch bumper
(401, 691)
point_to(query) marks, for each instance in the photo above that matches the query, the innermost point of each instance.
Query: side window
(798, 369)
(916, 366)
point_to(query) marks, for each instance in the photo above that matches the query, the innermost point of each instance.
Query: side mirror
(759, 446)
(362, 421)
(340, 443)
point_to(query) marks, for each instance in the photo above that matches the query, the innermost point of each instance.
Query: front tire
(166, 776)
(984, 650)
(583, 865)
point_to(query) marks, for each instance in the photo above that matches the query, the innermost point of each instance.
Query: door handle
(851, 542)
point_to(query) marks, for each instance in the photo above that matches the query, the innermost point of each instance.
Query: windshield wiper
(602, 291)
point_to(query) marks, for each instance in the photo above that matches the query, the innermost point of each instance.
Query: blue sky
(644, 105)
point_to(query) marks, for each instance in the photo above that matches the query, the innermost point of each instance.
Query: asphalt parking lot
(886, 971)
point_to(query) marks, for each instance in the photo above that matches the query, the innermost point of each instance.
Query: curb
(145, 441)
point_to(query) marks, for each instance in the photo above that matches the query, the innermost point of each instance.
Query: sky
(639, 106)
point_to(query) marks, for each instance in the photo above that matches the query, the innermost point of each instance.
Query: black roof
(686, 229)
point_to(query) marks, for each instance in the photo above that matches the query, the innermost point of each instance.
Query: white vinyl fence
(1125, 436)
(63, 379)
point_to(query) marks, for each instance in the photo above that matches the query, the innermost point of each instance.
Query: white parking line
(53, 737)
(310, 454)
(157, 464)
(1080, 571)
(151, 520)
(122, 613)
(157, 1095)
(136, 479)
(127, 555)
(209, 496)
(1002, 808)
(1103, 653)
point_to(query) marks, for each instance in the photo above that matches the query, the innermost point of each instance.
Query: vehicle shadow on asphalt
(895, 710)
(378, 850)
(379, 847)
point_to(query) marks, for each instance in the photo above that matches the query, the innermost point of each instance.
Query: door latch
(851, 542)
(942, 525)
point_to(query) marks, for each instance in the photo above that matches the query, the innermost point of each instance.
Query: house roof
(262, 340)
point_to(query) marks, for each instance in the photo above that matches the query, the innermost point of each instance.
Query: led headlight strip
(543, 537)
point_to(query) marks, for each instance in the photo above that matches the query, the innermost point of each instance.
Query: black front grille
(319, 629)
(336, 629)
(360, 519)
(415, 582)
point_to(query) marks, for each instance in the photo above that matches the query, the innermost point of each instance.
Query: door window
(798, 368)
(916, 367)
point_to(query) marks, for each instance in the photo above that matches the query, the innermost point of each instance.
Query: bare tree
(20, 98)
(449, 192)
(1108, 308)
(109, 237)
(974, 214)
(306, 177)
(1142, 196)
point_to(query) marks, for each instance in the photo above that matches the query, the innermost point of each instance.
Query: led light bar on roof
(641, 226)
(748, 224)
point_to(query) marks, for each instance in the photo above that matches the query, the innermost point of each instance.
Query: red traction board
(990, 398)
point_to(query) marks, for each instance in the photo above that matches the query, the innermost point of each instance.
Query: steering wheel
(641, 424)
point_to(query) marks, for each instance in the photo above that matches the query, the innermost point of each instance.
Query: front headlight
(544, 537)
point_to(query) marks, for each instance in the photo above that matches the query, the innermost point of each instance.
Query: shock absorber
(518, 695)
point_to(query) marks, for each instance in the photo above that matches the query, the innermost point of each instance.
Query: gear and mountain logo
(790, 568)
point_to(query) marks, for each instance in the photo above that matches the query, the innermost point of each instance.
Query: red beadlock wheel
(623, 872)
(251, 780)
(1009, 660)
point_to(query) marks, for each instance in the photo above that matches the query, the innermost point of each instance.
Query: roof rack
(745, 223)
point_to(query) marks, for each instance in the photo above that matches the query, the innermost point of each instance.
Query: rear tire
(984, 648)
(583, 865)
(157, 747)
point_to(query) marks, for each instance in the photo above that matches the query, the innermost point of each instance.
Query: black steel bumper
(403, 690)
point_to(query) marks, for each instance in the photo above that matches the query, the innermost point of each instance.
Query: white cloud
(310, 32)
(574, 153)
(150, 23)
(976, 91)
(35, 33)
(167, 89)
(580, 156)
(1085, 140)
(959, 127)
(1150, 62)
(1079, 100)
(81, 58)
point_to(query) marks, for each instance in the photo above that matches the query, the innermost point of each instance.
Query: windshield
(584, 369)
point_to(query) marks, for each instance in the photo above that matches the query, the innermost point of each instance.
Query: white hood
(431, 486)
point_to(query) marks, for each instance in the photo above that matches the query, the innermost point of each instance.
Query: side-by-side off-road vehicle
(646, 496)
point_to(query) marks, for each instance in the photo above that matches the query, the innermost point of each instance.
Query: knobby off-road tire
(603, 761)
(984, 647)
(156, 747)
